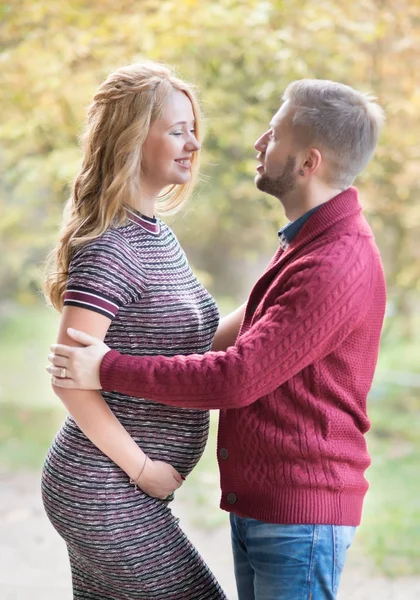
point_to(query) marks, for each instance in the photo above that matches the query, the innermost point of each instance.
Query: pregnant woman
(119, 273)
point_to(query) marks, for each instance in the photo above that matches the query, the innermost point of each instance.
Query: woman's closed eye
(193, 131)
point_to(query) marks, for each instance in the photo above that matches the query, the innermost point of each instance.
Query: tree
(241, 55)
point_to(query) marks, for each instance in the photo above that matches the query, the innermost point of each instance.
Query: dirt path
(33, 561)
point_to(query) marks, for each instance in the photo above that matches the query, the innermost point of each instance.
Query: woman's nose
(193, 144)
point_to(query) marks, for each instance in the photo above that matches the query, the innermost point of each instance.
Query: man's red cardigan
(293, 389)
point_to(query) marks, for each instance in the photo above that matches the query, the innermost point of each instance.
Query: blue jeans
(288, 562)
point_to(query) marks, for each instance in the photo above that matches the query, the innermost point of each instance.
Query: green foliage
(391, 524)
(241, 55)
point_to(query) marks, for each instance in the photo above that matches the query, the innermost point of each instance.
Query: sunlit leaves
(241, 54)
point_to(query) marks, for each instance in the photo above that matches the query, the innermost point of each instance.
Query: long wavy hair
(117, 124)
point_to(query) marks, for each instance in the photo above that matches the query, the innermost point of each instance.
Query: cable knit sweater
(293, 389)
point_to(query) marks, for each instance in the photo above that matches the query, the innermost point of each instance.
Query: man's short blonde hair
(343, 123)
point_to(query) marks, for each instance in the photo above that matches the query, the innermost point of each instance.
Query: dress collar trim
(150, 224)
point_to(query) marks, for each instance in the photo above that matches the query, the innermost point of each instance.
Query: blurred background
(241, 55)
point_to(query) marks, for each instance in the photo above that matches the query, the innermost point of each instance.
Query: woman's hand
(77, 368)
(159, 479)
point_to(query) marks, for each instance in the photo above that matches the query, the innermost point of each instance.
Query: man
(293, 384)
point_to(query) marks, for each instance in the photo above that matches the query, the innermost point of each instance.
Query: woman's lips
(184, 163)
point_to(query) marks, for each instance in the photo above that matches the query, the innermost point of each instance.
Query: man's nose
(261, 144)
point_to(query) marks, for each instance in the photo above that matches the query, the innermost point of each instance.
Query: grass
(390, 532)
(25, 337)
(30, 414)
(25, 435)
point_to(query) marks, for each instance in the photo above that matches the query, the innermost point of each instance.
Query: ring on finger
(63, 372)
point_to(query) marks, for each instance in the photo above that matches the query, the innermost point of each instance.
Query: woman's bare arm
(99, 424)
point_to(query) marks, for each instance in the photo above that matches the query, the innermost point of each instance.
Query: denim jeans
(288, 562)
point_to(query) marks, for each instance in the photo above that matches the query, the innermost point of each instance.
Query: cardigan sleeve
(318, 307)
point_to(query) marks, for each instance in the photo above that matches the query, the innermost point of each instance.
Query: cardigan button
(224, 453)
(232, 498)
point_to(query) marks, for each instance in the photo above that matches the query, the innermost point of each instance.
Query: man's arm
(316, 311)
(319, 305)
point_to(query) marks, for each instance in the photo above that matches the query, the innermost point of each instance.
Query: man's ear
(312, 162)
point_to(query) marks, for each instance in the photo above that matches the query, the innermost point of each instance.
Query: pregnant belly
(78, 478)
(173, 435)
(167, 433)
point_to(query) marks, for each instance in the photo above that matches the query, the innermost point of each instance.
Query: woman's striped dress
(123, 544)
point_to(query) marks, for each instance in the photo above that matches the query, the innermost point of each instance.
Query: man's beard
(279, 186)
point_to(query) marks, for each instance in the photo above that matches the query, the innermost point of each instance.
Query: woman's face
(170, 144)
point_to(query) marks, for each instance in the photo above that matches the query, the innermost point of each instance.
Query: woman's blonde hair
(118, 121)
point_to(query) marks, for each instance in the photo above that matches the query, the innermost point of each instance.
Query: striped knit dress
(123, 544)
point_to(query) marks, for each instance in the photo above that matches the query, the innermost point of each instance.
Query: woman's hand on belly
(159, 479)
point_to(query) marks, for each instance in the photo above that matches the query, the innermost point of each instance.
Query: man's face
(277, 173)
